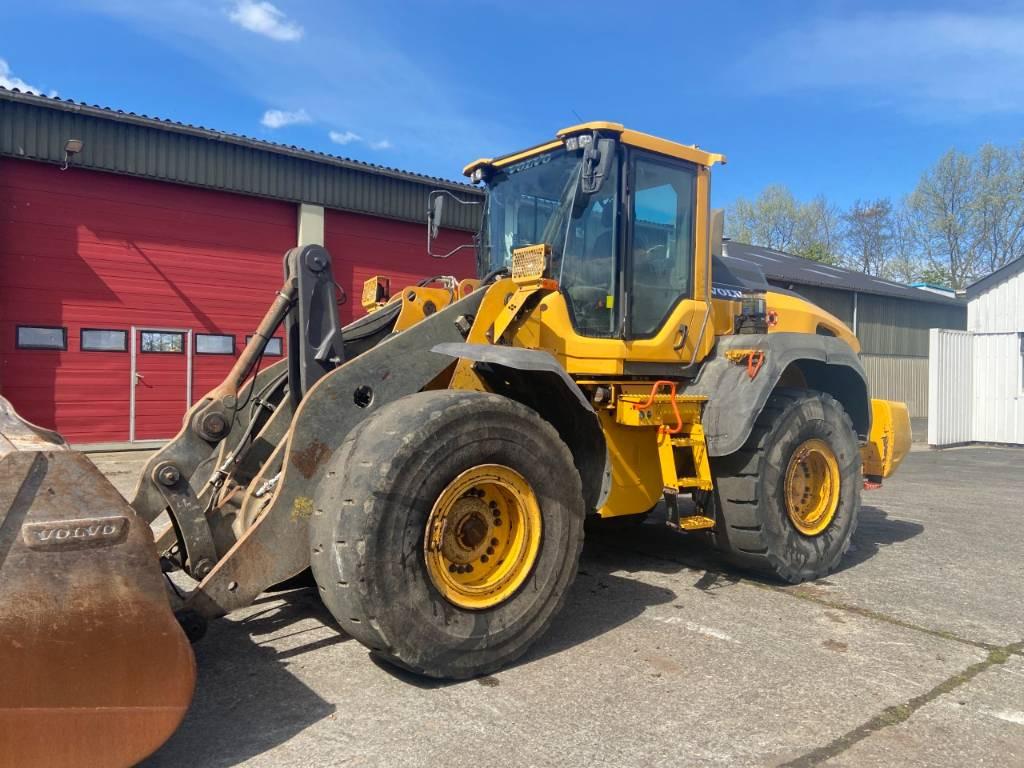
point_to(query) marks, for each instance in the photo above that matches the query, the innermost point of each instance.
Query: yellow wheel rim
(812, 487)
(482, 537)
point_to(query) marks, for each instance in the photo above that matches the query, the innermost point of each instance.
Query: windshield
(538, 201)
(521, 202)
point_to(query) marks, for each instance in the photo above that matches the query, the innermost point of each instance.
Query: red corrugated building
(130, 279)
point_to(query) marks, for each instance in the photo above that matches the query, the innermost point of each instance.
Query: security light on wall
(71, 147)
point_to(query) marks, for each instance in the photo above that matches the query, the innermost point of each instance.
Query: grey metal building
(37, 128)
(890, 319)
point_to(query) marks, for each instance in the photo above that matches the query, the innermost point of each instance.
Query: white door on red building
(161, 381)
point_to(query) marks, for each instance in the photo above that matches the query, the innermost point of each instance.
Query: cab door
(665, 299)
(633, 280)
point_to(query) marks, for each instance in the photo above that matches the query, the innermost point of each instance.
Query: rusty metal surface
(16, 434)
(189, 516)
(276, 546)
(94, 668)
(188, 451)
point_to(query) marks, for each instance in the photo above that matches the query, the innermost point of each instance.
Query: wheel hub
(465, 533)
(812, 487)
(482, 536)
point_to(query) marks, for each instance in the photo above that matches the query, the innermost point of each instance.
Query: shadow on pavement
(875, 529)
(602, 598)
(655, 548)
(246, 700)
(236, 713)
(598, 602)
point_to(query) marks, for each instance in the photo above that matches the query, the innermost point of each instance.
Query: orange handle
(675, 407)
(754, 362)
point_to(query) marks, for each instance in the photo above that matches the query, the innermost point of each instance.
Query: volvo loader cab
(432, 463)
(624, 219)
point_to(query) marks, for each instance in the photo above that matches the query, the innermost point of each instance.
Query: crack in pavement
(890, 716)
(800, 592)
(900, 713)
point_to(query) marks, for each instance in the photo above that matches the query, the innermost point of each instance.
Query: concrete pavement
(912, 654)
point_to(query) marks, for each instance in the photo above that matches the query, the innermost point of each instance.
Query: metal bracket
(189, 519)
(315, 346)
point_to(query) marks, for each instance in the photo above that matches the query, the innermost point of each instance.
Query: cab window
(589, 269)
(662, 239)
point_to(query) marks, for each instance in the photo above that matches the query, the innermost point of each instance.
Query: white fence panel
(950, 386)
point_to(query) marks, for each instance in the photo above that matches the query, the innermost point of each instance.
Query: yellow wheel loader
(434, 461)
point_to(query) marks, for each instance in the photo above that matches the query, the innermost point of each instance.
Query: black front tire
(753, 528)
(367, 533)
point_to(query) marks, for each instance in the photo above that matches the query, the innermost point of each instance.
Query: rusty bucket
(94, 668)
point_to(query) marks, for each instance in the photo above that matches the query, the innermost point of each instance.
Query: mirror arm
(434, 207)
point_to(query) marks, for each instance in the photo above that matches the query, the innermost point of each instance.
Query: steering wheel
(588, 304)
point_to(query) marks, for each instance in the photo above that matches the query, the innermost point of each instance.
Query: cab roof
(690, 152)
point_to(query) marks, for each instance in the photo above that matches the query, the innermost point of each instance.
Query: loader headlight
(579, 141)
(753, 316)
(529, 263)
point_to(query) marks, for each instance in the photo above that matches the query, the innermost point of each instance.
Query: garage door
(364, 246)
(116, 291)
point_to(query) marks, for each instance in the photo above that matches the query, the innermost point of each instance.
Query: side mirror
(597, 161)
(434, 217)
(435, 207)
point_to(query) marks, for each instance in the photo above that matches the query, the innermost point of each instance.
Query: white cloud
(348, 137)
(266, 19)
(338, 137)
(8, 80)
(379, 73)
(278, 118)
(939, 64)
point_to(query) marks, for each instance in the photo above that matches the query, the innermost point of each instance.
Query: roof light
(578, 141)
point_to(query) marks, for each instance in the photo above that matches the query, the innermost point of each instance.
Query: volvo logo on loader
(75, 534)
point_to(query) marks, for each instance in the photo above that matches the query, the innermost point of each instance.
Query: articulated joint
(213, 421)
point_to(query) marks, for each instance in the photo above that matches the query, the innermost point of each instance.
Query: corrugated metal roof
(36, 127)
(780, 266)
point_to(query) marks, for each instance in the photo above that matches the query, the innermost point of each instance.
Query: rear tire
(758, 526)
(374, 570)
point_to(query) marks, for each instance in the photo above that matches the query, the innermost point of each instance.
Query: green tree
(963, 220)
(998, 206)
(770, 220)
(868, 237)
(776, 219)
(904, 262)
(942, 215)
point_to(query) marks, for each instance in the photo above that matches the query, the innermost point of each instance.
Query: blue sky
(847, 99)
